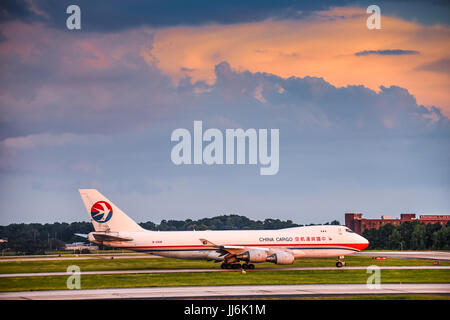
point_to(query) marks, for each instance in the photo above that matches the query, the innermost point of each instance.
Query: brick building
(357, 223)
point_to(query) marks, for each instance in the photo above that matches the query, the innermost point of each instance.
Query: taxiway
(230, 291)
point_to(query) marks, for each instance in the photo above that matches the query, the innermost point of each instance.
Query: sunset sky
(363, 114)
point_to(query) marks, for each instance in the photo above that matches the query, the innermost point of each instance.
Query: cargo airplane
(115, 229)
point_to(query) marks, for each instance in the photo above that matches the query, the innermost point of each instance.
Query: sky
(363, 115)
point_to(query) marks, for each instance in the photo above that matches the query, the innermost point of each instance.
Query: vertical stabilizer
(105, 215)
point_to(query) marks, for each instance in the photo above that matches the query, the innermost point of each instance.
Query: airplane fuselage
(114, 228)
(302, 242)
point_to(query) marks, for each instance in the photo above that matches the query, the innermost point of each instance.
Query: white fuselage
(302, 242)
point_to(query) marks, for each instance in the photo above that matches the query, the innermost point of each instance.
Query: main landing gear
(248, 266)
(339, 263)
(237, 266)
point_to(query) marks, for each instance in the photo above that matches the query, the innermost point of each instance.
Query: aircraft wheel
(339, 264)
(244, 266)
(251, 266)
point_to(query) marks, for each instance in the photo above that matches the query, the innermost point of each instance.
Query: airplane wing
(229, 251)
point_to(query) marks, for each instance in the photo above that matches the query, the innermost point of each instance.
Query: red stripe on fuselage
(356, 246)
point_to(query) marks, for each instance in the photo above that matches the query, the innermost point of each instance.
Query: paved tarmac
(427, 255)
(84, 257)
(230, 291)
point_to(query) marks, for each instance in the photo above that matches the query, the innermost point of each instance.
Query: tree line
(36, 238)
(410, 235)
(224, 222)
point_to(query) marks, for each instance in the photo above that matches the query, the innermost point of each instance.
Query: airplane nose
(364, 242)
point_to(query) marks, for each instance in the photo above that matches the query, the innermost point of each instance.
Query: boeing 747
(115, 229)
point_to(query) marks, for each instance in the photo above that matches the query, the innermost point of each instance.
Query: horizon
(257, 220)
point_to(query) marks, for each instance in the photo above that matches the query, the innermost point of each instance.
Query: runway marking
(229, 291)
(106, 272)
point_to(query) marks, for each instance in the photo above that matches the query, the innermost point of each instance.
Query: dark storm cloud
(116, 15)
(389, 52)
(312, 105)
(424, 12)
(17, 9)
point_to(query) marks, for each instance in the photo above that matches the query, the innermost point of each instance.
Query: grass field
(224, 278)
(206, 278)
(103, 264)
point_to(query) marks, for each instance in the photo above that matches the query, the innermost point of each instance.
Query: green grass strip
(224, 278)
(103, 264)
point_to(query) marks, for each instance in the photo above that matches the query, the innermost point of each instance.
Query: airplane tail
(104, 214)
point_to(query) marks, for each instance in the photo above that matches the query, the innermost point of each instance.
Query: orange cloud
(93, 56)
(320, 46)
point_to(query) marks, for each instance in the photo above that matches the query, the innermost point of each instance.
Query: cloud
(16, 152)
(387, 52)
(118, 82)
(258, 94)
(121, 82)
(97, 110)
(316, 47)
(115, 15)
(18, 9)
(311, 47)
(439, 66)
(40, 140)
(313, 104)
(331, 139)
(75, 83)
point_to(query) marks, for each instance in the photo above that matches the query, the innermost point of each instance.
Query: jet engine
(281, 258)
(253, 256)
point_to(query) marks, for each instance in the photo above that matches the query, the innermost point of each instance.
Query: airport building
(357, 223)
(79, 246)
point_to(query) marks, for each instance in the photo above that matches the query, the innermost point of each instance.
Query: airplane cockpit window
(349, 230)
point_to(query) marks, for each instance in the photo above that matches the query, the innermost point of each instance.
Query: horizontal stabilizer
(83, 235)
(106, 237)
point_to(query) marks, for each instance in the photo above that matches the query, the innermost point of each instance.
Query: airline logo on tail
(101, 211)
